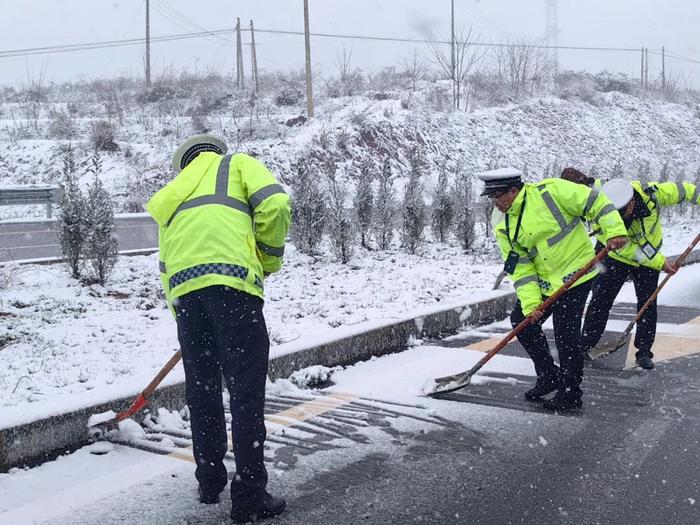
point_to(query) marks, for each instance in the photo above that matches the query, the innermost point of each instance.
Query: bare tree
(33, 97)
(468, 61)
(350, 78)
(521, 65)
(414, 68)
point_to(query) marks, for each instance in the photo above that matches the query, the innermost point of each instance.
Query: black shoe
(207, 497)
(545, 385)
(562, 403)
(270, 506)
(645, 362)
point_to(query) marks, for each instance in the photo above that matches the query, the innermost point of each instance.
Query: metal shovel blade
(443, 385)
(609, 347)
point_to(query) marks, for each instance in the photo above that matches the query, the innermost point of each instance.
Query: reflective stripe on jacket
(552, 243)
(645, 233)
(222, 221)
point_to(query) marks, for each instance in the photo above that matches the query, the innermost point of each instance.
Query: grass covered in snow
(63, 344)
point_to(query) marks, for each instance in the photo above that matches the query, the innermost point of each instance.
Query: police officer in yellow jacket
(222, 223)
(642, 260)
(543, 243)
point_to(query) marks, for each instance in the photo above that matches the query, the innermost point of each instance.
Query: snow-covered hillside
(540, 134)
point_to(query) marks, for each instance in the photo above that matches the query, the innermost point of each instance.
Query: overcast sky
(597, 23)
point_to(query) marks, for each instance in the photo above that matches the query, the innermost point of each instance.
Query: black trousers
(222, 331)
(567, 313)
(605, 290)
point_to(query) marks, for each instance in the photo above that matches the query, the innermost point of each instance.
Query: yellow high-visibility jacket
(552, 243)
(645, 231)
(222, 221)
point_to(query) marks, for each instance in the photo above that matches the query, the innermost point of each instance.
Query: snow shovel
(443, 385)
(613, 346)
(98, 427)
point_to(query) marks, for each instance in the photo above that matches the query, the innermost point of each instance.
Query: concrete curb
(46, 438)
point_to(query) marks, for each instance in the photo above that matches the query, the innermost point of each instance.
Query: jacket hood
(163, 204)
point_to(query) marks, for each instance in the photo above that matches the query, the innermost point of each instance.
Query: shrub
(62, 125)
(385, 206)
(413, 204)
(607, 81)
(308, 207)
(102, 136)
(289, 96)
(364, 201)
(442, 212)
(100, 244)
(71, 221)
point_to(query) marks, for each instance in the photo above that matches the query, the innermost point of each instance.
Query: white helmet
(620, 192)
(193, 146)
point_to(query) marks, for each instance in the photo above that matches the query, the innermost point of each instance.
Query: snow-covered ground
(65, 345)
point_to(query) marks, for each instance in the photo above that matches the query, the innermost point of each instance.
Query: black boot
(545, 385)
(645, 362)
(208, 497)
(269, 507)
(563, 402)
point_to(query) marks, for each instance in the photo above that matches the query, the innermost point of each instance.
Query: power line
(109, 43)
(198, 34)
(184, 19)
(675, 56)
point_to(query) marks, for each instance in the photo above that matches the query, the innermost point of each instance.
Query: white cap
(620, 192)
(500, 179)
(193, 146)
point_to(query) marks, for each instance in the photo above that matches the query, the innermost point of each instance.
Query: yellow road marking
(670, 346)
(287, 418)
(485, 344)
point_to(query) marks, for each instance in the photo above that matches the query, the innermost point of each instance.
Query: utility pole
(646, 67)
(309, 79)
(641, 72)
(552, 33)
(453, 67)
(663, 69)
(240, 78)
(253, 56)
(148, 43)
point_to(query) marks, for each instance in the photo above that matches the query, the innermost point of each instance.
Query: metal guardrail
(47, 195)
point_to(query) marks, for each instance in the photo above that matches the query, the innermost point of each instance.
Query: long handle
(142, 398)
(542, 308)
(651, 299)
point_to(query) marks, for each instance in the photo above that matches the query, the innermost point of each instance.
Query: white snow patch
(130, 430)
(97, 419)
(101, 447)
(313, 376)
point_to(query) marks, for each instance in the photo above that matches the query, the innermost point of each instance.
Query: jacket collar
(518, 202)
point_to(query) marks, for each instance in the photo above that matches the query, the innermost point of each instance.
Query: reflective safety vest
(645, 231)
(552, 243)
(222, 221)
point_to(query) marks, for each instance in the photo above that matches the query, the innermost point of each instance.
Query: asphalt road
(39, 239)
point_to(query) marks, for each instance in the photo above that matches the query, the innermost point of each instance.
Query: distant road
(38, 239)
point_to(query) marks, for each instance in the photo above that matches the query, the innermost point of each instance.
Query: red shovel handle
(541, 308)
